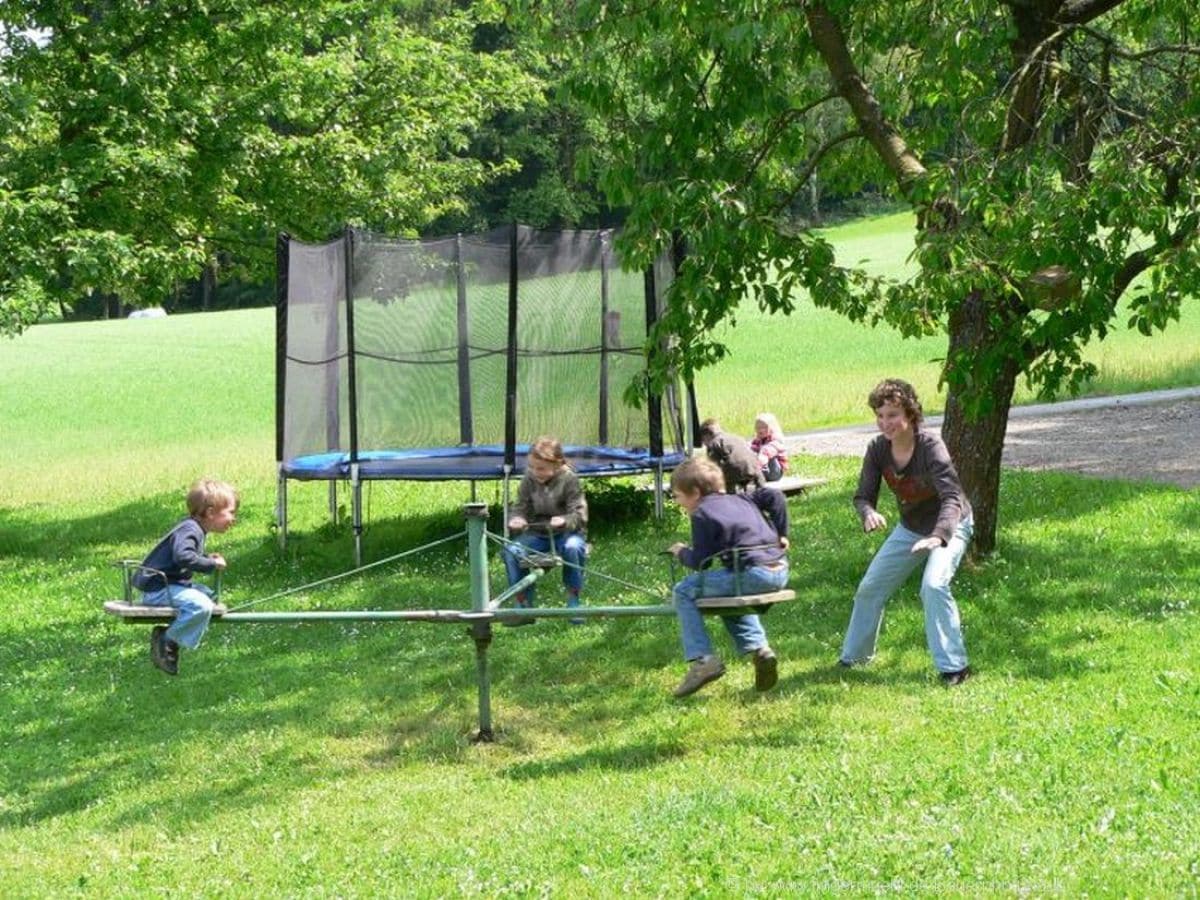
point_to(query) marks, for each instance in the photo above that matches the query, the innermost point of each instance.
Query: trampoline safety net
(444, 357)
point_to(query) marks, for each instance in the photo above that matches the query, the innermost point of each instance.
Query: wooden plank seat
(743, 605)
(533, 559)
(138, 614)
(794, 484)
(788, 484)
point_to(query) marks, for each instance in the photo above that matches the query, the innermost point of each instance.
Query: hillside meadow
(335, 759)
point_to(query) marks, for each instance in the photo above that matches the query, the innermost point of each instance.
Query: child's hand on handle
(873, 520)
(784, 543)
(517, 523)
(558, 522)
(676, 547)
(929, 543)
(219, 560)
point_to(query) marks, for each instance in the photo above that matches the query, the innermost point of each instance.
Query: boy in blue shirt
(165, 576)
(756, 524)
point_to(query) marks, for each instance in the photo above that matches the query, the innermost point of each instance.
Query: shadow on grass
(86, 716)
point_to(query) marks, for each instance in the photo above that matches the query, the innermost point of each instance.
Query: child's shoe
(164, 652)
(766, 669)
(519, 602)
(954, 679)
(573, 603)
(700, 673)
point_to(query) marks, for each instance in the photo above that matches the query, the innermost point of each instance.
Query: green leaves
(169, 133)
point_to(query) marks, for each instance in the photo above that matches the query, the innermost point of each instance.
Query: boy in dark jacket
(755, 525)
(165, 576)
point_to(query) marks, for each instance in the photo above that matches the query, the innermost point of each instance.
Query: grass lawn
(334, 759)
(814, 368)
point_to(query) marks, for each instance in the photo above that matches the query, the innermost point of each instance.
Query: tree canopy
(139, 139)
(1050, 148)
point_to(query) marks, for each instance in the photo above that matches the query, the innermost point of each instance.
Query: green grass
(334, 759)
(814, 368)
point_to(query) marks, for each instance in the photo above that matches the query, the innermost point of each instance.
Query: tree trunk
(208, 285)
(977, 443)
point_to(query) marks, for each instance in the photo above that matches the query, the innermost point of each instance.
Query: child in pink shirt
(768, 444)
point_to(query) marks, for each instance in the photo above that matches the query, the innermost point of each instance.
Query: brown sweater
(930, 496)
(739, 464)
(562, 496)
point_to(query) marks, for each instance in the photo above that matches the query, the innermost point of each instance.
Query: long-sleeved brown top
(928, 491)
(562, 496)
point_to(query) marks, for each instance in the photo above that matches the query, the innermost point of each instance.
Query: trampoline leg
(658, 492)
(281, 509)
(356, 503)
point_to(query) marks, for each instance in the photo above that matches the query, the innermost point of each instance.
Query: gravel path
(1144, 437)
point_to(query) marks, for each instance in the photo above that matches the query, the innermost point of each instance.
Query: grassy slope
(333, 759)
(814, 368)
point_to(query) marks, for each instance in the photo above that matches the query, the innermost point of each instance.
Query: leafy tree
(1050, 148)
(138, 141)
(545, 188)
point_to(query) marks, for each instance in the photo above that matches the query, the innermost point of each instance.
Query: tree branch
(1077, 12)
(1141, 260)
(781, 125)
(893, 150)
(814, 161)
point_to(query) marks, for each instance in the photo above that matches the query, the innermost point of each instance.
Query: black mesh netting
(407, 346)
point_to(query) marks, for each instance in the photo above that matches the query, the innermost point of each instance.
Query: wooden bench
(794, 484)
(788, 484)
(744, 605)
(137, 614)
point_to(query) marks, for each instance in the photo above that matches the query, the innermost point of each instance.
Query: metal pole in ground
(481, 631)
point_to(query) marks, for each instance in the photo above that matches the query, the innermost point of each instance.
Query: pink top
(771, 448)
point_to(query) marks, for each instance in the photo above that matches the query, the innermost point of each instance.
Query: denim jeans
(571, 546)
(195, 604)
(888, 570)
(747, 631)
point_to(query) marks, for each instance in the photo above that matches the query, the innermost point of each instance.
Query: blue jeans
(888, 570)
(195, 604)
(747, 631)
(569, 545)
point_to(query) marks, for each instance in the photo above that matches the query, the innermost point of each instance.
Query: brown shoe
(700, 673)
(766, 669)
(953, 679)
(164, 653)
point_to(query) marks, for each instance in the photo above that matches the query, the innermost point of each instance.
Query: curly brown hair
(895, 390)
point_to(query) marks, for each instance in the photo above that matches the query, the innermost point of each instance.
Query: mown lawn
(335, 759)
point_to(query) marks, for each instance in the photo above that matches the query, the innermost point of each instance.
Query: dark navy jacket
(177, 555)
(724, 521)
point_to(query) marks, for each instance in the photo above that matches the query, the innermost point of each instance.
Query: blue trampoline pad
(479, 463)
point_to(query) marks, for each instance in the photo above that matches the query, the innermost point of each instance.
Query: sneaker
(953, 679)
(700, 673)
(572, 603)
(766, 669)
(164, 653)
(519, 602)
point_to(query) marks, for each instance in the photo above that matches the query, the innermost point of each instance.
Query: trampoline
(483, 463)
(442, 358)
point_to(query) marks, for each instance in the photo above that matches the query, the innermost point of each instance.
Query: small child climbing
(738, 463)
(768, 444)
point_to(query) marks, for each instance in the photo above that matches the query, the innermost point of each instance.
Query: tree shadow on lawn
(79, 691)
